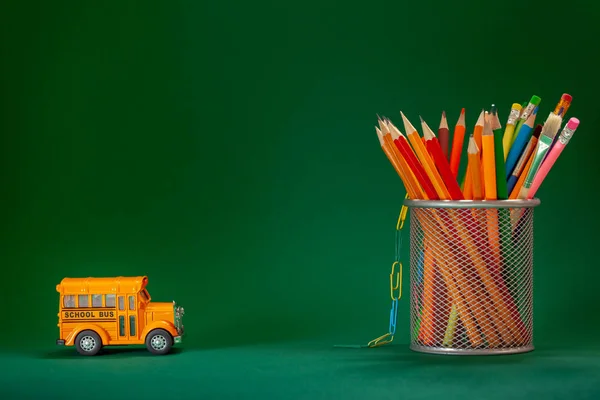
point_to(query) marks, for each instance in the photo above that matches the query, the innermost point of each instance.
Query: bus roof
(119, 284)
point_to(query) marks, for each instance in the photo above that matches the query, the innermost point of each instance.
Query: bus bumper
(60, 342)
(177, 339)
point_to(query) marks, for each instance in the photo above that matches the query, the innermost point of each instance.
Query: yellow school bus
(98, 312)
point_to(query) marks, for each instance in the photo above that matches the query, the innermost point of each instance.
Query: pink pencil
(558, 147)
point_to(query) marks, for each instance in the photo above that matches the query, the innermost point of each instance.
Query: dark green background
(227, 150)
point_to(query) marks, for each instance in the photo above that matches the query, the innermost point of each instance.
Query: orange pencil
(457, 143)
(489, 168)
(425, 159)
(488, 161)
(410, 184)
(468, 189)
(474, 168)
(407, 152)
(478, 130)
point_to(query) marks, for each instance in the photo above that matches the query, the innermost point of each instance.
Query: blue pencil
(519, 144)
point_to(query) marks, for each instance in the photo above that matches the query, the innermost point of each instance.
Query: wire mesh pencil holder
(471, 276)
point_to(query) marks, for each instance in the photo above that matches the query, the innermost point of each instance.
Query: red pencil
(411, 159)
(457, 144)
(433, 146)
(443, 134)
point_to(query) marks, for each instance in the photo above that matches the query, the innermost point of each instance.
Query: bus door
(127, 317)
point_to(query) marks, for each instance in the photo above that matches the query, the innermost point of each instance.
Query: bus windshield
(145, 295)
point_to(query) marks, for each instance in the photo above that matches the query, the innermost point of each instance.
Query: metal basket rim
(472, 203)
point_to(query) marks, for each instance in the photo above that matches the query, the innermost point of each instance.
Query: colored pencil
(549, 130)
(501, 188)
(425, 159)
(514, 193)
(518, 170)
(478, 130)
(488, 161)
(519, 144)
(532, 105)
(443, 134)
(457, 143)
(401, 168)
(563, 140)
(475, 168)
(441, 162)
(407, 152)
(509, 131)
(468, 183)
(563, 105)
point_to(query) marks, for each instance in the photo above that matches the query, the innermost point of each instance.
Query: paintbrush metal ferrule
(545, 141)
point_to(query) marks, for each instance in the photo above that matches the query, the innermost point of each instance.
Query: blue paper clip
(393, 316)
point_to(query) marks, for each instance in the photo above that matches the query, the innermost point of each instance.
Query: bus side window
(132, 303)
(84, 300)
(121, 303)
(110, 300)
(69, 301)
(96, 300)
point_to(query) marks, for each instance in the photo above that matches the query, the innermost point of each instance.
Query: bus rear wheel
(159, 342)
(88, 343)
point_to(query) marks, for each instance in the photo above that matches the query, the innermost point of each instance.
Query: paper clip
(393, 317)
(398, 285)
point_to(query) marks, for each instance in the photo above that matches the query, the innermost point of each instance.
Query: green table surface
(299, 370)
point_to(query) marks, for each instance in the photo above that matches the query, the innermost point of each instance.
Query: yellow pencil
(509, 131)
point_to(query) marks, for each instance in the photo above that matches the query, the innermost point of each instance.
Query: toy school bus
(98, 312)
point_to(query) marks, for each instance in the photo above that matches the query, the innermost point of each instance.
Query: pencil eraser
(573, 124)
(535, 100)
(567, 97)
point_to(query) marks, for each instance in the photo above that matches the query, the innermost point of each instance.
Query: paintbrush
(549, 131)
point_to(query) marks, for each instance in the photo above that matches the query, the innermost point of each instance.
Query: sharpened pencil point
(472, 148)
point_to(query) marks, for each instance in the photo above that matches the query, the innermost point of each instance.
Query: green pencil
(527, 109)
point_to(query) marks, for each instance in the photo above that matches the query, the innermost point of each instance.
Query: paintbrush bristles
(551, 126)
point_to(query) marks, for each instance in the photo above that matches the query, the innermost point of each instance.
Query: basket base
(470, 352)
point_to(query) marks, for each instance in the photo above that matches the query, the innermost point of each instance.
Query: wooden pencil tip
(472, 148)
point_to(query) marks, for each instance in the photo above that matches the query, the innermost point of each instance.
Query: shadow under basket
(471, 276)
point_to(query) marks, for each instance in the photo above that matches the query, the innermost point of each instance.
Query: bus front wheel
(159, 342)
(88, 343)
